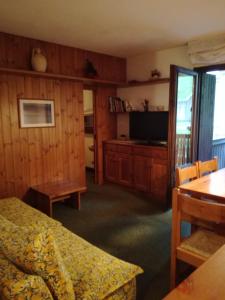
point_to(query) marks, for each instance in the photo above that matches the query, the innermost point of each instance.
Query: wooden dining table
(211, 186)
(205, 283)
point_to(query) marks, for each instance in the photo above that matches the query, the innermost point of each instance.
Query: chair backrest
(186, 174)
(206, 167)
(186, 207)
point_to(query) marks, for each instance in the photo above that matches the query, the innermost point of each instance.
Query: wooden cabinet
(125, 175)
(159, 179)
(118, 167)
(111, 166)
(143, 168)
(141, 173)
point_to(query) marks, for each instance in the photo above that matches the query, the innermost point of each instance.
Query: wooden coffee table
(48, 193)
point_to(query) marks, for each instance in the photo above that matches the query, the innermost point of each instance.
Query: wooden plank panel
(79, 134)
(24, 149)
(47, 161)
(66, 60)
(16, 53)
(52, 52)
(52, 132)
(15, 134)
(58, 129)
(105, 125)
(79, 57)
(69, 130)
(3, 190)
(7, 137)
(32, 90)
(32, 156)
(3, 56)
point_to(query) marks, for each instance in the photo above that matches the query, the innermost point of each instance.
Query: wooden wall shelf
(147, 82)
(85, 80)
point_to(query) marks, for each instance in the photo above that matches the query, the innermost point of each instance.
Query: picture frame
(36, 113)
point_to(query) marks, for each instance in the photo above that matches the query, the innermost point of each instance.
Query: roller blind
(207, 51)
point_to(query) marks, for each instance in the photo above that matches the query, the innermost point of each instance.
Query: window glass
(219, 108)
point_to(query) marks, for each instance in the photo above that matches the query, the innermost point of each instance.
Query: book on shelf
(116, 104)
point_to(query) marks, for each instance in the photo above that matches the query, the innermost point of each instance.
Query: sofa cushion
(22, 214)
(127, 291)
(36, 253)
(16, 285)
(94, 273)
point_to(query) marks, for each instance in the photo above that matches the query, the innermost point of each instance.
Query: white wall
(89, 138)
(89, 155)
(139, 68)
(88, 101)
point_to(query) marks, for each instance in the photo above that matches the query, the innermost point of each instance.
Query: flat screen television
(151, 127)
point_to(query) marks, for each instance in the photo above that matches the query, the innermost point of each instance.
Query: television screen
(149, 126)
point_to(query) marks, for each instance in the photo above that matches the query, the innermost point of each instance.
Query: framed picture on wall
(36, 113)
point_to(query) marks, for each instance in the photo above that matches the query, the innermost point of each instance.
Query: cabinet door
(125, 176)
(111, 166)
(159, 179)
(141, 173)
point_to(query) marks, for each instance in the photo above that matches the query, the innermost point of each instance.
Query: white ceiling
(121, 28)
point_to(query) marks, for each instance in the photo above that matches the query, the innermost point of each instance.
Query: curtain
(207, 51)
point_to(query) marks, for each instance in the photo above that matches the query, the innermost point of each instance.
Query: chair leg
(173, 271)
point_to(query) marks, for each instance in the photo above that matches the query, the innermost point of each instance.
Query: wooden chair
(201, 244)
(208, 166)
(186, 174)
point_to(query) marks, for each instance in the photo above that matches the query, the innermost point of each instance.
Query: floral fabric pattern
(94, 273)
(36, 253)
(127, 291)
(19, 213)
(16, 285)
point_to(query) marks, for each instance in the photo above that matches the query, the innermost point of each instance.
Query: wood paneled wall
(39, 155)
(15, 52)
(105, 123)
(31, 156)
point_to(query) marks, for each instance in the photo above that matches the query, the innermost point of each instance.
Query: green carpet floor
(127, 226)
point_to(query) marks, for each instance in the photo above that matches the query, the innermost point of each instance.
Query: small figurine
(155, 73)
(129, 107)
(145, 105)
(89, 70)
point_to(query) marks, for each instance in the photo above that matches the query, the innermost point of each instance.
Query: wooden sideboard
(144, 168)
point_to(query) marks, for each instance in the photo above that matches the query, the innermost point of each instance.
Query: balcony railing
(183, 150)
(218, 149)
(183, 144)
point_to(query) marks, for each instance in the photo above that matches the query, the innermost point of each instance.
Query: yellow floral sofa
(93, 273)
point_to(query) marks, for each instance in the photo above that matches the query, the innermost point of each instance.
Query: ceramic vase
(38, 60)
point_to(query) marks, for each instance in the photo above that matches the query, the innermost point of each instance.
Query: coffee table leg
(45, 205)
(75, 200)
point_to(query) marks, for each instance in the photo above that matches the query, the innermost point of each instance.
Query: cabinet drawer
(144, 151)
(159, 153)
(159, 161)
(111, 147)
(124, 149)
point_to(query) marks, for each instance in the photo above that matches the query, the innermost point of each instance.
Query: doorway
(197, 105)
(89, 134)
